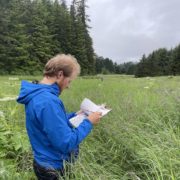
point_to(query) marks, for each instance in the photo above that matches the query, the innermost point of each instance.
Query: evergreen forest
(33, 31)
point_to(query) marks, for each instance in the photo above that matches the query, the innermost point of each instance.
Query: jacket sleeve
(70, 115)
(62, 137)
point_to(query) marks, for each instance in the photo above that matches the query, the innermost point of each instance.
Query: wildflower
(1, 114)
(8, 98)
(13, 78)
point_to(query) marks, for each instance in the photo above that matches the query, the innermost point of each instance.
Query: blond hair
(62, 62)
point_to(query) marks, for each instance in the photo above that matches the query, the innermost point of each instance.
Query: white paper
(87, 107)
(77, 120)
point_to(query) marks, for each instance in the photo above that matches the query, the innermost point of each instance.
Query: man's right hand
(94, 118)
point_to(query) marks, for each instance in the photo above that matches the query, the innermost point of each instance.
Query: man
(51, 135)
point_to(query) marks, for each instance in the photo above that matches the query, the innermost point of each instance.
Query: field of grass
(138, 140)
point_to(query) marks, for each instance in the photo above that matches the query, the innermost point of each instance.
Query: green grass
(138, 139)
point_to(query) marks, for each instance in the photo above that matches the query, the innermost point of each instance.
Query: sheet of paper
(88, 107)
(103, 110)
(77, 120)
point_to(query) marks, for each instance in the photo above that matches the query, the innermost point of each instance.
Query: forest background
(32, 31)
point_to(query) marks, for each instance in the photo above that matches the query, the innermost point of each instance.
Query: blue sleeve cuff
(87, 124)
(71, 115)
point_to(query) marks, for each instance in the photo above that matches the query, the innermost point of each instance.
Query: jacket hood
(29, 90)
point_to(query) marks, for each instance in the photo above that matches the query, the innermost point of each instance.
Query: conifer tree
(77, 38)
(142, 69)
(175, 61)
(164, 61)
(39, 36)
(81, 13)
(17, 42)
(81, 41)
(62, 27)
(4, 38)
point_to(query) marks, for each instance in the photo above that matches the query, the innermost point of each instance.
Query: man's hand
(79, 112)
(94, 118)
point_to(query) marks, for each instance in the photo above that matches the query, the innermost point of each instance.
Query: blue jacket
(51, 136)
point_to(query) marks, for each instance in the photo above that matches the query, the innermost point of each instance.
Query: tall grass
(138, 139)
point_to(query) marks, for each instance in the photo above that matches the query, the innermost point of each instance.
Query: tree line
(32, 31)
(160, 62)
(107, 66)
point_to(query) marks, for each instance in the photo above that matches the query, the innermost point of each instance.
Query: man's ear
(60, 74)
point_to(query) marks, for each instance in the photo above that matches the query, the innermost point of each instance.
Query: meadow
(138, 140)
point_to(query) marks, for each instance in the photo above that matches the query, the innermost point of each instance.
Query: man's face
(63, 81)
